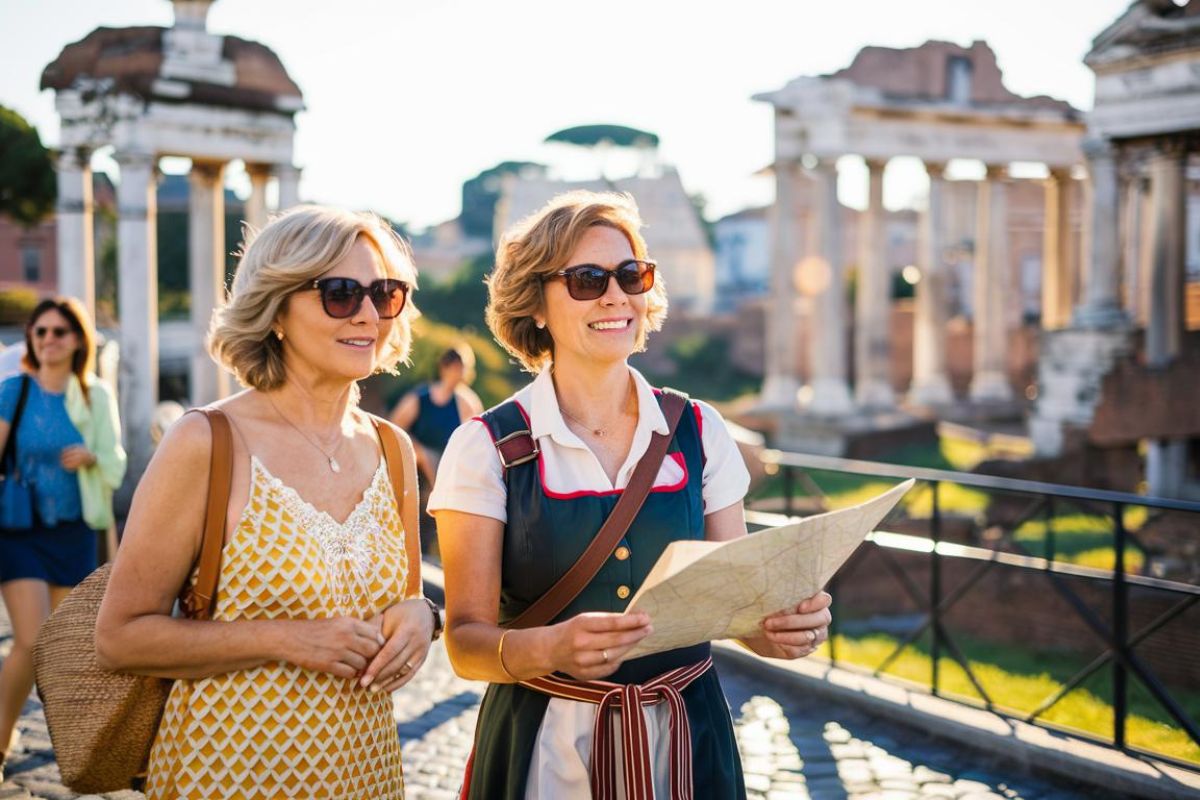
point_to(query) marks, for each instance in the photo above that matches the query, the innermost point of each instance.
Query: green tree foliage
(592, 135)
(459, 301)
(479, 196)
(27, 184)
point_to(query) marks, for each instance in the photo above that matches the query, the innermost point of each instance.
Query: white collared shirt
(471, 479)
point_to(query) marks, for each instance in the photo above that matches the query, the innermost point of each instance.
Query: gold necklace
(599, 433)
(333, 463)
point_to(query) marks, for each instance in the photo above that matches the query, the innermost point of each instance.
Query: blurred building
(940, 103)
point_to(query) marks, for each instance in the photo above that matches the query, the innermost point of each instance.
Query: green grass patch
(1084, 539)
(1019, 681)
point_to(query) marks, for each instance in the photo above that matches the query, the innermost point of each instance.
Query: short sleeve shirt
(471, 479)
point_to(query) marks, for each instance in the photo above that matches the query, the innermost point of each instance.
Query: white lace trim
(351, 545)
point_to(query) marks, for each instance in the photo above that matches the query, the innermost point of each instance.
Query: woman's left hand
(76, 456)
(796, 631)
(408, 628)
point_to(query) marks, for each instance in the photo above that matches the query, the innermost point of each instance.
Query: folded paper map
(701, 591)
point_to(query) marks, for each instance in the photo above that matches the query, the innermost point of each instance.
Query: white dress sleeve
(469, 476)
(726, 478)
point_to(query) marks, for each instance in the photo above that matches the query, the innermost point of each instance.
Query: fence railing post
(1120, 607)
(935, 587)
(1049, 541)
(788, 488)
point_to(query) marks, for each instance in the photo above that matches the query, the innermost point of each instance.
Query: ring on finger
(604, 654)
(407, 668)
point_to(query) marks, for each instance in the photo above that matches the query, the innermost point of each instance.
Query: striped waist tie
(635, 745)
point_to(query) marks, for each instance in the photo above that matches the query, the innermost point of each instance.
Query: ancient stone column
(1165, 318)
(137, 304)
(1101, 305)
(1131, 245)
(992, 291)
(827, 334)
(1057, 251)
(206, 262)
(289, 186)
(256, 203)
(781, 382)
(76, 259)
(930, 384)
(873, 302)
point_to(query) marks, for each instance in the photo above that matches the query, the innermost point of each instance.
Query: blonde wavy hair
(539, 245)
(294, 249)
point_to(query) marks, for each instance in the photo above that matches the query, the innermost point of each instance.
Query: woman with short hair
(286, 691)
(573, 295)
(66, 448)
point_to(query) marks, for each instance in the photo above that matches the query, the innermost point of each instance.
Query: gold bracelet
(500, 654)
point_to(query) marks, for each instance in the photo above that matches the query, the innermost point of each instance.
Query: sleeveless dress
(278, 730)
(544, 536)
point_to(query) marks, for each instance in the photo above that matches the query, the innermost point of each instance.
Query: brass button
(622, 592)
(622, 553)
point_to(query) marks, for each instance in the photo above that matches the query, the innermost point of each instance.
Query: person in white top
(573, 295)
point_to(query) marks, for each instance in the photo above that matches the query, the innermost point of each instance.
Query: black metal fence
(1118, 641)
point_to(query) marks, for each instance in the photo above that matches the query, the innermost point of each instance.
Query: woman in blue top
(573, 295)
(64, 409)
(431, 412)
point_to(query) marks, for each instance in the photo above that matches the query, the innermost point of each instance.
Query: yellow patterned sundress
(277, 730)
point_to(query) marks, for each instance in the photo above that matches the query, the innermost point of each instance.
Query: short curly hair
(539, 245)
(291, 251)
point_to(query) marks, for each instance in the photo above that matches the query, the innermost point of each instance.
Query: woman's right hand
(593, 645)
(341, 646)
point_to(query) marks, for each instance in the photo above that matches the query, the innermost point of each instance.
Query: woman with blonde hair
(286, 691)
(62, 451)
(525, 490)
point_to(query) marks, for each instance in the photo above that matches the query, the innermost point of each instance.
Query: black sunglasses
(343, 297)
(590, 281)
(55, 333)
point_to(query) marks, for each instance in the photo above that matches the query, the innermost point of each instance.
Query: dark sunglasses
(343, 297)
(590, 281)
(55, 333)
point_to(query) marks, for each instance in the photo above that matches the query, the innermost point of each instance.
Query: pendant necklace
(333, 463)
(599, 433)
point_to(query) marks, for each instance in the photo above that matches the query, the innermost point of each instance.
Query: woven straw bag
(102, 724)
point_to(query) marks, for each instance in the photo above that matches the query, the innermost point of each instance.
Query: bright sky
(409, 98)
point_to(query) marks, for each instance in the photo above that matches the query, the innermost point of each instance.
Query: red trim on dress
(674, 487)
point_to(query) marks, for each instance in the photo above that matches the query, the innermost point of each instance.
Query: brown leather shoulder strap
(198, 603)
(402, 471)
(573, 581)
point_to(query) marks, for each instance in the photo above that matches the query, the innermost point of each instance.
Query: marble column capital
(1098, 149)
(1170, 148)
(73, 159)
(825, 164)
(935, 169)
(206, 171)
(997, 172)
(876, 165)
(258, 171)
(133, 159)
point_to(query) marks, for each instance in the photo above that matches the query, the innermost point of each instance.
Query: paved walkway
(793, 748)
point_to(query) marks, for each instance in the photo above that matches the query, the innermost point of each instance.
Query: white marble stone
(830, 394)
(206, 253)
(781, 382)
(873, 302)
(930, 383)
(1165, 322)
(992, 291)
(137, 304)
(76, 259)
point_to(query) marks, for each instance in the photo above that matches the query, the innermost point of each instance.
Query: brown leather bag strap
(402, 471)
(574, 580)
(199, 601)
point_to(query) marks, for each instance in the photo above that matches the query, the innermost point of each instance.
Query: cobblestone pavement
(793, 748)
